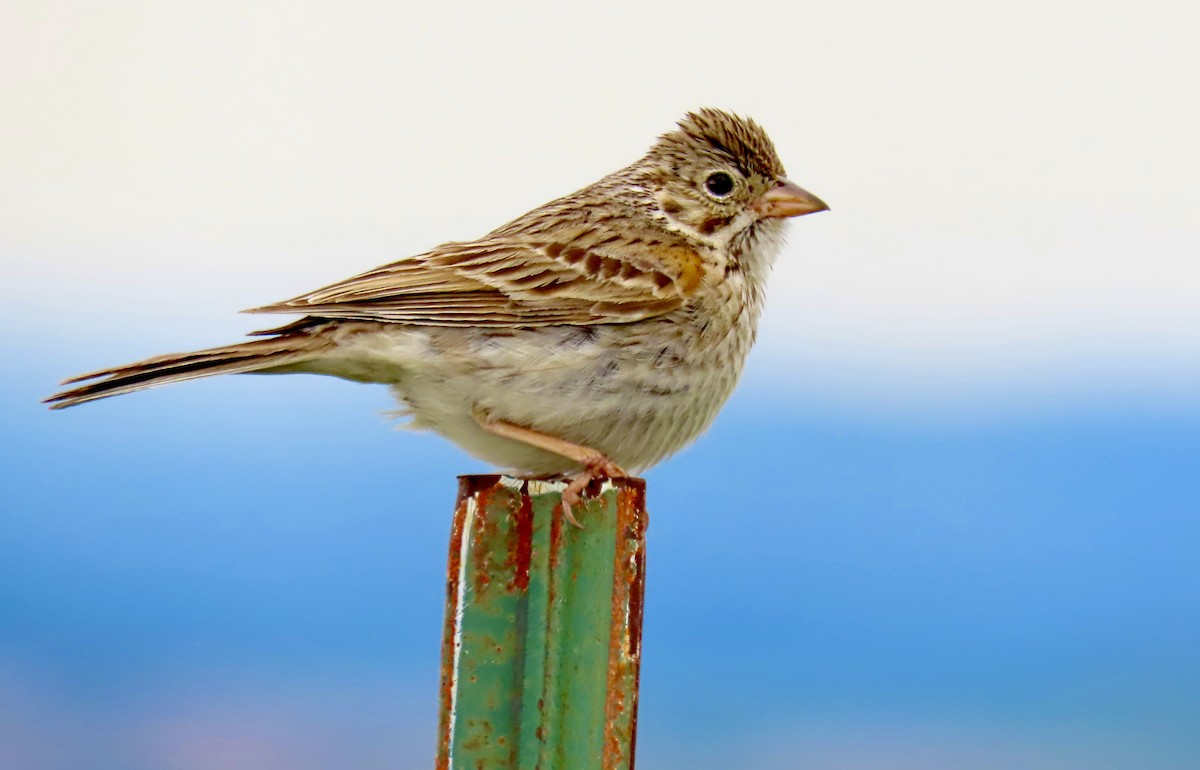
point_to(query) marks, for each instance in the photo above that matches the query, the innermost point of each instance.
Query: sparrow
(587, 339)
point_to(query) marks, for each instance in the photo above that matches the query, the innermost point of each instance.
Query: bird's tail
(264, 355)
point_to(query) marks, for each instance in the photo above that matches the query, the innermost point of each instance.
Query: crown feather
(741, 139)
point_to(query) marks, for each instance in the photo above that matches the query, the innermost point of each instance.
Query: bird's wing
(506, 280)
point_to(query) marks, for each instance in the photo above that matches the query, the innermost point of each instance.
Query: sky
(969, 428)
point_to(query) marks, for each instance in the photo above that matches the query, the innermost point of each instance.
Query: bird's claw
(596, 468)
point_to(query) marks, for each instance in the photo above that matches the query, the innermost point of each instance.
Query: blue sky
(949, 520)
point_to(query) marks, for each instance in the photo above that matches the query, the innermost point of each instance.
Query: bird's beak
(788, 200)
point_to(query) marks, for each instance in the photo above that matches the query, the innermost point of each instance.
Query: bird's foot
(595, 468)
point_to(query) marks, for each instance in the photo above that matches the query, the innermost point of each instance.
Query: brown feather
(515, 279)
(253, 356)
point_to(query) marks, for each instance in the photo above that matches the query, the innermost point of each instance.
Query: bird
(589, 338)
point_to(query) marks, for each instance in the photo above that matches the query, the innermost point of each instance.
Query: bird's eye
(719, 184)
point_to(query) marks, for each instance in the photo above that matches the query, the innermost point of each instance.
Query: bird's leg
(596, 466)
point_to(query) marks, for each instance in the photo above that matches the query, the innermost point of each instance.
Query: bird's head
(718, 178)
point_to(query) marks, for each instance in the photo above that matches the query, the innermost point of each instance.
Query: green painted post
(542, 642)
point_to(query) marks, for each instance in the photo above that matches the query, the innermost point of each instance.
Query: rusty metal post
(542, 643)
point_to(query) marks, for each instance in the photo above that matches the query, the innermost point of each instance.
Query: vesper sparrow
(599, 332)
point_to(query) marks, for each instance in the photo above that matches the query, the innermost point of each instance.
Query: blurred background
(949, 520)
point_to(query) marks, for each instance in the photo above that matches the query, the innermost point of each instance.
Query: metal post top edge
(541, 486)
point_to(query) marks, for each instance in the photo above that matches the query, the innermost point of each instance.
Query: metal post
(542, 642)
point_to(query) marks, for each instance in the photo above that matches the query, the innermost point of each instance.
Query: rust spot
(593, 263)
(523, 552)
(467, 486)
(625, 629)
(573, 255)
(554, 249)
(635, 605)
